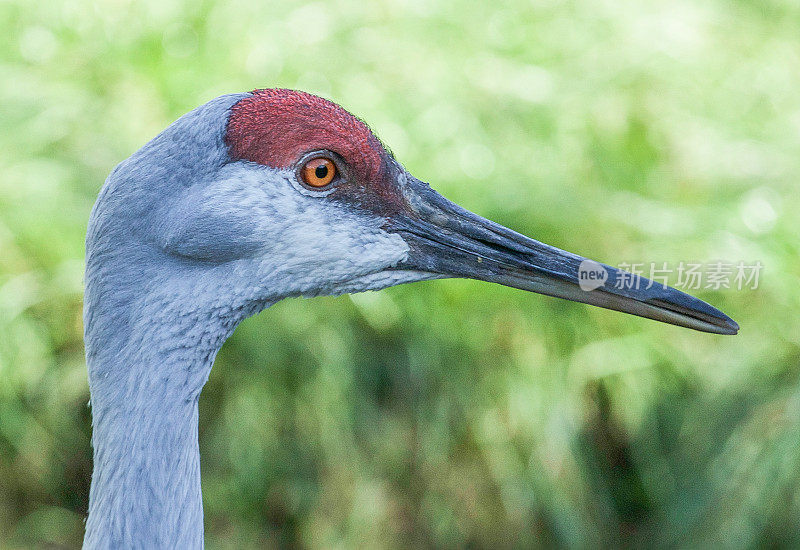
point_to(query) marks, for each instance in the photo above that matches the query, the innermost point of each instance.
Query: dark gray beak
(446, 239)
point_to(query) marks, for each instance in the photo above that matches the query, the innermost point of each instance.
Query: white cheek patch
(310, 244)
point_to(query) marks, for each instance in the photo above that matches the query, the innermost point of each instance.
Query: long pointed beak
(448, 240)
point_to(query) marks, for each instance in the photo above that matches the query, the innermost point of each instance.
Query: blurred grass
(448, 413)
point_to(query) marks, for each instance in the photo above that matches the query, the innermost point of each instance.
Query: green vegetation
(448, 413)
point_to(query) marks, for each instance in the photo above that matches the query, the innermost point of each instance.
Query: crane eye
(318, 172)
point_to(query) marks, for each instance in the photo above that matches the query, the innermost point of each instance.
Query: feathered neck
(145, 387)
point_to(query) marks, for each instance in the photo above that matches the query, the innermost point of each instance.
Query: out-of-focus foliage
(448, 413)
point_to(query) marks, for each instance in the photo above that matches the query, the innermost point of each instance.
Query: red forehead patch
(275, 127)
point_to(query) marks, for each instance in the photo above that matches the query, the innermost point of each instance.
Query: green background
(447, 413)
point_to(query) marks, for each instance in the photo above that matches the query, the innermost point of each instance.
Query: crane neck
(148, 362)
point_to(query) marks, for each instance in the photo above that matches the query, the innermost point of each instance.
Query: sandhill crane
(244, 201)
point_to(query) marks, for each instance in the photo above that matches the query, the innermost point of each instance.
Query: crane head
(292, 195)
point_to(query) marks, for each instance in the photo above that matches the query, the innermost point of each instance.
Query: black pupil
(321, 171)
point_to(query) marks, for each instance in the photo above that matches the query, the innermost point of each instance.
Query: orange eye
(318, 172)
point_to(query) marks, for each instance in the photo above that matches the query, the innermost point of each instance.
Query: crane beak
(448, 240)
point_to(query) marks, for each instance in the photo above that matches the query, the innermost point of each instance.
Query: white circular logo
(591, 275)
